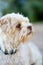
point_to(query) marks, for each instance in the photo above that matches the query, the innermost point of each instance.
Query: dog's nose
(6, 52)
(29, 27)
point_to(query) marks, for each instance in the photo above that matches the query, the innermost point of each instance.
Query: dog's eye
(18, 25)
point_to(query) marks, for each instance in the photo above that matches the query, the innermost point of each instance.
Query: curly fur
(15, 32)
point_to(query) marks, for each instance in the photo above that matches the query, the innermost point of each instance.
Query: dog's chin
(26, 38)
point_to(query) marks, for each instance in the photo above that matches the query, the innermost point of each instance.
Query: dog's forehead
(15, 18)
(18, 18)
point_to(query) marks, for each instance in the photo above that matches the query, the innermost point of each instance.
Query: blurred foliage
(30, 8)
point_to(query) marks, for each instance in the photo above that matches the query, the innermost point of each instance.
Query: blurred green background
(30, 8)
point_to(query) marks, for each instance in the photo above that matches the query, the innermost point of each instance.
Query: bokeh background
(33, 9)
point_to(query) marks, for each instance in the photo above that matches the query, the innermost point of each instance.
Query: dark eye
(18, 25)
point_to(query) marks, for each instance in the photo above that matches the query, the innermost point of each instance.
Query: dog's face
(16, 28)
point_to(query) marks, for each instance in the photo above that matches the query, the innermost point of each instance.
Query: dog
(15, 33)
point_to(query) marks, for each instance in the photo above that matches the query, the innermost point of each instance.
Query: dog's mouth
(29, 33)
(27, 37)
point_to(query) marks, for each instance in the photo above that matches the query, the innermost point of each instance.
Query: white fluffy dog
(15, 32)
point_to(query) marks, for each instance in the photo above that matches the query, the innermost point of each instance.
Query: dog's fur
(15, 32)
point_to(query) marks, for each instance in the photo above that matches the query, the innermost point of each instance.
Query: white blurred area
(38, 36)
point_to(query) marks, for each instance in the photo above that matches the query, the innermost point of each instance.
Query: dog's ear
(5, 21)
(2, 21)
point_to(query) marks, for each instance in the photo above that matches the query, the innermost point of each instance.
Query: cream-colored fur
(15, 32)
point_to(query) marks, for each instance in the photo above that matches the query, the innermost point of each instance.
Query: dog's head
(16, 27)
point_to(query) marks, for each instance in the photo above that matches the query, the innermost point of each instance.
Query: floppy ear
(2, 21)
(5, 20)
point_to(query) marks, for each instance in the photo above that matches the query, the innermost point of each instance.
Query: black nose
(29, 27)
(6, 52)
